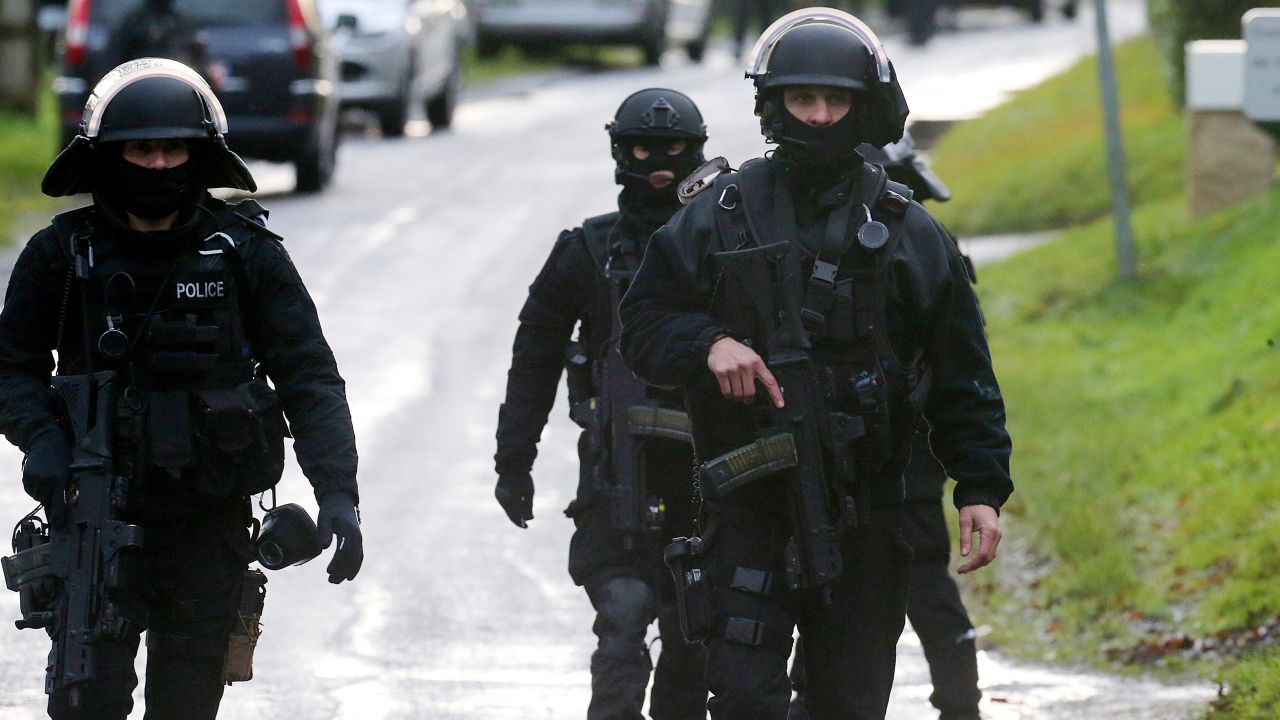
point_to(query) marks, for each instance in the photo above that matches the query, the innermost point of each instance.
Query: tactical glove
(338, 517)
(515, 495)
(46, 471)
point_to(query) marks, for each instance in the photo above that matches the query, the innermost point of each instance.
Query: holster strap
(745, 631)
(659, 422)
(749, 463)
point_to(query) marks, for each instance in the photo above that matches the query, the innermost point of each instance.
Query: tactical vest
(173, 327)
(620, 412)
(828, 308)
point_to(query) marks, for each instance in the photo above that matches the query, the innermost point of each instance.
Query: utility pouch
(693, 589)
(237, 666)
(239, 439)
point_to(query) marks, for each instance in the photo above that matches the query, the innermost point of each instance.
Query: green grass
(27, 146)
(1037, 162)
(1145, 415)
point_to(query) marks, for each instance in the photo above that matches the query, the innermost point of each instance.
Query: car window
(198, 12)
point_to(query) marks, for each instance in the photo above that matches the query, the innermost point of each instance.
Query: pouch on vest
(239, 439)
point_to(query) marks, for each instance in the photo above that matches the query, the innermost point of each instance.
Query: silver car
(652, 24)
(397, 54)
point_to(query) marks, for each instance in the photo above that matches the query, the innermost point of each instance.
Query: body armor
(172, 326)
(619, 411)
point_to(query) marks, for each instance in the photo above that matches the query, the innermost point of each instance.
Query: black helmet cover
(148, 99)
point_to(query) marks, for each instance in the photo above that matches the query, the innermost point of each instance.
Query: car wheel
(440, 108)
(315, 165)
(654, 47)
(392, 117)
(1036, 9)
(1069, 10)
(698, 48)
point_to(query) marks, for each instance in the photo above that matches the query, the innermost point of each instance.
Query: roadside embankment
(26, 148)
(1145, 415)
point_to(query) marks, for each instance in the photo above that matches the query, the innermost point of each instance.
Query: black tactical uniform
(633, 490)
(193, 320)
(860, 304)
(934, 606)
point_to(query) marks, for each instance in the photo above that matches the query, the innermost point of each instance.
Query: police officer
(810, 265)
(633, 490)
(194, 305)
(934, 606)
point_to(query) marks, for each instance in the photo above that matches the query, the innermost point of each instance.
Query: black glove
(338, 517)
(46, 471)
(515, 495)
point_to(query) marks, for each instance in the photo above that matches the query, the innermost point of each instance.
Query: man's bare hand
(984, 520)
(737, 367)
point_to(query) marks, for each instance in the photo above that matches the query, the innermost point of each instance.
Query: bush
(1174, 23)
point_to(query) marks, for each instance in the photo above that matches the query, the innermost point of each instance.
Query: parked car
(268, 61)
(651, 24)
(397, 54)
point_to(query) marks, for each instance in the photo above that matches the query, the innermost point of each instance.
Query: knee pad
(626, 603)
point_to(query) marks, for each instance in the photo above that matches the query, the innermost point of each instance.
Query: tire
(440, 108)
(1036, 10)
(698, 48)
(392, 117)
(315, 165)
(1069, 9)
(653, 48)
(920, 21)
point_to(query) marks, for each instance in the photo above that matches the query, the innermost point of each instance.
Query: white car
(651, 24)
(397, 54)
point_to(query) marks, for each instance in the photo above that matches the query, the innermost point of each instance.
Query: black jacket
(283, 330)
(570, 289)
(668, 327)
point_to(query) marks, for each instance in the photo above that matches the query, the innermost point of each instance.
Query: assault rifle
(763, 281)
(91, 557)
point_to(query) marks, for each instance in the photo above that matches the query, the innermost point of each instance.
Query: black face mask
(633, 175)
(147, 193)
(821, 150)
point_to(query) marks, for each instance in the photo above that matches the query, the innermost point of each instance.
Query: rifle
(91, 557)
(763, 280)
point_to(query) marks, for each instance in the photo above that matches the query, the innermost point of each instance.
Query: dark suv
(267, 60)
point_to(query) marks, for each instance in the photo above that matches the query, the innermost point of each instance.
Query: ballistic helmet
(656, 114)
(904, 165)
(824, 46)
(150, 99)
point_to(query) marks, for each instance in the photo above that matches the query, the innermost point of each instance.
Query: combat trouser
(938, 614)
(629, 588)
(850, 642)
(193, 576)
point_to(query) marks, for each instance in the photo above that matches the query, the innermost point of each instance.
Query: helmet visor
(128, 73)
(763, 49)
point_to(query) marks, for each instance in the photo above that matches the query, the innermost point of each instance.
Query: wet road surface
(418, 258)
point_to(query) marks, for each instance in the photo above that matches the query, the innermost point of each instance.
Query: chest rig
(171, 323)
(816, 312)
(620, 412)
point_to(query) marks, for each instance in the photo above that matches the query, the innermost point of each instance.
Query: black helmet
(656, 113)
(149, 99)
(824, 46)
(904, 165)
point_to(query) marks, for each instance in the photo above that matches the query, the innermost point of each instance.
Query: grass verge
(1038, 163)
(1145, 415)
(27, 145)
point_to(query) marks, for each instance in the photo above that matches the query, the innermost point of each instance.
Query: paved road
(418, 258)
